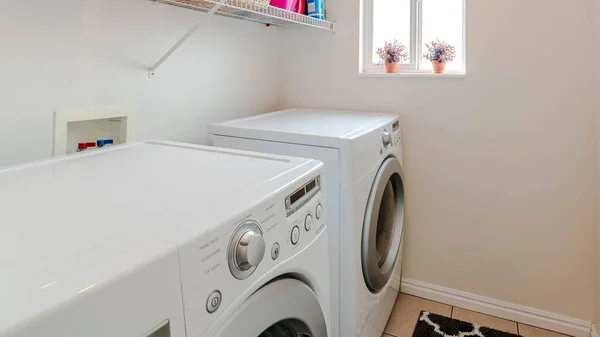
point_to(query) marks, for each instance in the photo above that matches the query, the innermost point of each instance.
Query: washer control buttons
(308, 222)
(275, 251)
(213, 302)
(295, 235)
(319, 211)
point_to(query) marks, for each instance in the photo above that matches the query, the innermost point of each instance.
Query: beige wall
(596, 30)
(499, 165)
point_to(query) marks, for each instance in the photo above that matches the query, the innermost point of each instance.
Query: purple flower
(439, 51)
(392, 51)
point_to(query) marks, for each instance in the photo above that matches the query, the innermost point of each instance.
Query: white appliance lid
(304, 126)
(55, 210)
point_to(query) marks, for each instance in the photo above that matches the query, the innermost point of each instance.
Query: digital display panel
(311, 185)
(296, 196)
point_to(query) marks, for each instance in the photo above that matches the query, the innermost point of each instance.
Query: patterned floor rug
(432, 325)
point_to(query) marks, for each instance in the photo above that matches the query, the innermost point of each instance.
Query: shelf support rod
(152, 70)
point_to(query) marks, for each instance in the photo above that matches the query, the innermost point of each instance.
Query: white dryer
(362, 153)
(118, 242)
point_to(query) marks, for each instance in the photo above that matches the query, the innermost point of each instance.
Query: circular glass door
(282, 308)
(382, 228)
(287, 328)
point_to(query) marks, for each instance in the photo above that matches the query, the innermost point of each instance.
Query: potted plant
(439, 53)
(392, 53)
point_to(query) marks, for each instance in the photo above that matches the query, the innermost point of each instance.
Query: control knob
(250, 250)
(246, 249)
(386, 138)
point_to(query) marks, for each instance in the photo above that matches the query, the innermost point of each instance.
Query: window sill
(413, 74)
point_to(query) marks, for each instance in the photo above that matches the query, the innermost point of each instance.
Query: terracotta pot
(391, 67)
(438, 67)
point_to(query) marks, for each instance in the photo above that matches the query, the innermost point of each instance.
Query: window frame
(415, 44)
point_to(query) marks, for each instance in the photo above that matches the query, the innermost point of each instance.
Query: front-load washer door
(383, 225)
(283, 308)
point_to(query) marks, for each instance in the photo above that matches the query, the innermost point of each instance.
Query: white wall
(499, 165)
(64, 54)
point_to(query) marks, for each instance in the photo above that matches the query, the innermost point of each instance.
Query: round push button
(275, 251)
(308, 222)
(213, 302)
(319, 211)
(295, 235)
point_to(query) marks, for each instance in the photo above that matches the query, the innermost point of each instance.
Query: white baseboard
(514, 312)
(594, 331)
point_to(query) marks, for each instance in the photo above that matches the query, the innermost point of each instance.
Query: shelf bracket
(211, 12)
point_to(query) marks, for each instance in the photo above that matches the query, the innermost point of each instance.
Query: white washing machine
(122, 241)
(362, 153)
(253, 246)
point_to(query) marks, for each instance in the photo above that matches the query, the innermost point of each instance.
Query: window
(413, 23)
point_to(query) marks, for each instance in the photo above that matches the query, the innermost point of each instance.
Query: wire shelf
(253, 11)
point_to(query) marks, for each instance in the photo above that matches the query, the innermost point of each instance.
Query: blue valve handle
(102, 142)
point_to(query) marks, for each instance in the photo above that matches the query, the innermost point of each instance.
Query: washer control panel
(302, 195)
(225, 265)
(395, 137)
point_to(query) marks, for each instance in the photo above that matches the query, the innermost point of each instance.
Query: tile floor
(407, 309)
